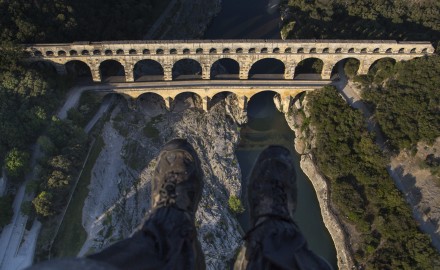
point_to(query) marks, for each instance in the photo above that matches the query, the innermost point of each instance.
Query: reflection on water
(268, 126)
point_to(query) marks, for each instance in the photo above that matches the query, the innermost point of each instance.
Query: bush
(235, 205)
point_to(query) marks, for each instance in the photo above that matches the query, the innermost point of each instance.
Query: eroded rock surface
(121, 178)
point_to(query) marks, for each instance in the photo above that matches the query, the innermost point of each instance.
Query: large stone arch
(349, 65)
(267, 68)
(186, 100)
(309, 69)
(388, 59)
(118, 97)
(79, 70)
(227, 96)
(148, 70)
(225, 68)
(151, 104)
(187, 68)
(112, 70)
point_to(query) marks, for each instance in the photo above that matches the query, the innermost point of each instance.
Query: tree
(57, 179)
(16, 162)
(43, 204)
(6, 212)
(61, 163)
(235, 205)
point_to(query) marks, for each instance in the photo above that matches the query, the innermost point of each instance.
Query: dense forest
(405, 100)
(364, 193)
(75, 20)
(29, 95)
(363, 19)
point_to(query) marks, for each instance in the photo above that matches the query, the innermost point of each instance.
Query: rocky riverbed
(121, 178)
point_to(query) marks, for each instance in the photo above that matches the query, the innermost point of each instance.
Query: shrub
(235, 205)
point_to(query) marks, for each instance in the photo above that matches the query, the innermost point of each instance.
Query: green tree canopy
(16, 162)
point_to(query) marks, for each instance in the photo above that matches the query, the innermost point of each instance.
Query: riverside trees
(364, 193)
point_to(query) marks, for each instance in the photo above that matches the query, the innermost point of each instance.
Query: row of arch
(154, 100)
(224, 68)
(109, 52)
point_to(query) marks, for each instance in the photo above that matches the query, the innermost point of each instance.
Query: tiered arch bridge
(206, 54)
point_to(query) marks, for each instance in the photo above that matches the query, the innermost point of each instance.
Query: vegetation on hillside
(29, 95)
(68, 20)
(363, 19)
(64, 147)
(405, 99)
(362, 190)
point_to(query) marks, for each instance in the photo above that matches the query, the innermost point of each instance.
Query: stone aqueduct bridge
(207, 52)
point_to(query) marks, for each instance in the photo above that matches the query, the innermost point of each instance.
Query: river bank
(303, 145)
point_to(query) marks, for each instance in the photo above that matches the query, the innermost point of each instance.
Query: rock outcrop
(121, 178)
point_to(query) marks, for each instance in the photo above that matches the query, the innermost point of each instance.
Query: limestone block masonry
(207, 52)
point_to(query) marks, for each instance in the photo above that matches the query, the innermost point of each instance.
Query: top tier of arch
(226, 47)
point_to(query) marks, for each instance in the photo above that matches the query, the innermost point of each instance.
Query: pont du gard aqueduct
(169, 62)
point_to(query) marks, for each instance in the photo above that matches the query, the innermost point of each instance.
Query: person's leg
(167, 239)
(274, 241)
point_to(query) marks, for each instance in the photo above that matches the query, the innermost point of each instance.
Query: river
(259, 19)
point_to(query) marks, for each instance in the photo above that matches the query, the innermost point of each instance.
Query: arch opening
(186, 100)
(309, 69)
(261, 112)
(225, 68)
(381, 67)
(112, 71)
(266, 69)
(223, 98)
(187, 69)
(347, 66)
(79, 70)
(151, 104)
(148, 70)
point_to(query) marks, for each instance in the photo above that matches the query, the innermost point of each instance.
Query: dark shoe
(177, 180)
(272, 186)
